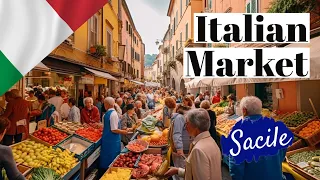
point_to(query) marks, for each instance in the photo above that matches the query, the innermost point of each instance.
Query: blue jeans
(8, 139)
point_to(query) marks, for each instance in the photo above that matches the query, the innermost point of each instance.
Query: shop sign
(87, 79)
(94, 156)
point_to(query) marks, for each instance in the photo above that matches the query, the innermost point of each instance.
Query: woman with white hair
(265, 168)
(204, 160)
(90, 113)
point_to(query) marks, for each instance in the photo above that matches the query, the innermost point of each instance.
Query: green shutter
(254, 6)
(248, 8)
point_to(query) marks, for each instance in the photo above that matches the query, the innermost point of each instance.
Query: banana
(163, 168)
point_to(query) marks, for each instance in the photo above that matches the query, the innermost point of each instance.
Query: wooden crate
(297, 168)
(297, 145)
(312, 140)
(111, 169)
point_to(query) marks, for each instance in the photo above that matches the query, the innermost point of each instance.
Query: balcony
(190, 43)
(179, 55)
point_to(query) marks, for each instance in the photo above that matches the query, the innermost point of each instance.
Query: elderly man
(138, 109)
(111, 139)
(267, 167)
(117, 106)
(204, 160)
(90, 113)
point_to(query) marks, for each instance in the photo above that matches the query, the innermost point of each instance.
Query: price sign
(42, 124)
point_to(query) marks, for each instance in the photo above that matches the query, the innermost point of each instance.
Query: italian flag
(31, 29)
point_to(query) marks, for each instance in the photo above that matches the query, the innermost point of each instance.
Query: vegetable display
(137, 146)
(90, 133)
(50, 135)
(310, 129)
(4, 174)
(311, 158)
(44, 174)
(297, 118)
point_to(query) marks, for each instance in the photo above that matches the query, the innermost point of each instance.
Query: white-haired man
(267, 167)
(111, 139)
(204, 160)
(90, 113)
(117, 106)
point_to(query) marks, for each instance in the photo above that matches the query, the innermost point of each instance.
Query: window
(174, 25)
(127, 26)
(210, 45)
(109, 43)
(210, 4)
(187, 31)
(138, 73)
(160, 68)
(180, 39)
(176, 19)
(180, 8)
(173, 51)
(187, 2)
(129, 29)
(93, 30)
(177, 46)
(252, 6)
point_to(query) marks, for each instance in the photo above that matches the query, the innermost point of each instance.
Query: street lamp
(158, 41)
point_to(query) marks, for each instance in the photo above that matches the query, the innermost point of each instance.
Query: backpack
(46, 114)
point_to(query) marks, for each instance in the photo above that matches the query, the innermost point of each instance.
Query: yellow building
(76, 64)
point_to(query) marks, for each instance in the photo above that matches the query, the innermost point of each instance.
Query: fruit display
(137, 146)
(140, 172)
(157, 138)
(35, 154)
(159, 141)
(218, 110)
(227, 126)
(69, 127)
(44, 174)
(50, 135)
(148, 165)
(222, 119)
(117, 174)
(266, 113)
(279, 117)
(126, 160)
(311, 128)
(90, 133)
(312, 158)
(297, 118)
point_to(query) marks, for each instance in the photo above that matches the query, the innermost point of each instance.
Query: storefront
(264, 92)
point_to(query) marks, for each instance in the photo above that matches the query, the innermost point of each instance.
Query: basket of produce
(42, 173)
(305, 161)
(126, 160)
(78, 145)
(297, 144)
(138, 146)
(157, 139)
(310, 132)
(92, 134)
(117, 173)
(34, 154)
(297, 118)
(68, 127)
(50, 135)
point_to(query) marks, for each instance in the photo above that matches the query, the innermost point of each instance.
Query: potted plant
(98, 51)
(92, 50)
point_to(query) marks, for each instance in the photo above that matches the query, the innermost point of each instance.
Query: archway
(183, 87)
(173, 84)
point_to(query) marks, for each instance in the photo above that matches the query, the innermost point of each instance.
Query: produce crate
(78, 139)
(296, 167)
(112, 169)
(115, 159)
(45, 143)
(297, 145)
(293, 129)
(312, 140)
(73, 171)
(25, 170)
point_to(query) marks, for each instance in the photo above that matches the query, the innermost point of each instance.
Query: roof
(126, 8)
(170, 7)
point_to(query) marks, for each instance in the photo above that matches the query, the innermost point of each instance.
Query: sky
(151, 20)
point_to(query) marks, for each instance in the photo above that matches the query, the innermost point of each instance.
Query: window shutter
(248, 8)
(254, 6)
(187, 31)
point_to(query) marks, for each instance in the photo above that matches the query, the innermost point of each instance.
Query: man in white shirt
(117, 106)
(57, 101)
(74, 114)
(65, 109)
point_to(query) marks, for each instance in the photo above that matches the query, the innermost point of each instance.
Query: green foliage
(101, 51)
(292, 6)
(149, 59)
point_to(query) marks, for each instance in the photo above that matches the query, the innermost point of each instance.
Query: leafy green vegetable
(292, 6)
(44, 174)
(4, 174)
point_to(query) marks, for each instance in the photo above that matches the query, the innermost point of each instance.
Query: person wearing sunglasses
(204, 160)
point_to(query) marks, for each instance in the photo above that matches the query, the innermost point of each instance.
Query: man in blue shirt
(267, 167)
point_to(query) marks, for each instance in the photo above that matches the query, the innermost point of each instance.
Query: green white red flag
(31, 29)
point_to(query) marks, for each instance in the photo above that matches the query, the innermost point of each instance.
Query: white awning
(137, 82)
(102, 74)
(152, 84)
(41, 67)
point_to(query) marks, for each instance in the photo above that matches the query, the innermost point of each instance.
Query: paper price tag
(21, 122)
(303, 164)
(42, 124)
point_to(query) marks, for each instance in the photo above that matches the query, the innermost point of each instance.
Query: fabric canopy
(102, 74)
(152, 84)
(137, 82)
(41, 67)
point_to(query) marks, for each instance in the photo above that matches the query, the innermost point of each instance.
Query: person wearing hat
(129, 122)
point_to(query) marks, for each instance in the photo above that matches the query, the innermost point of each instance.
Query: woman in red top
(216, 98)
(89, 114)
